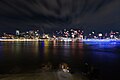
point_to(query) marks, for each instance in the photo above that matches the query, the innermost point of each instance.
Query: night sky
(50, 15)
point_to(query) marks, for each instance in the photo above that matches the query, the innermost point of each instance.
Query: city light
(61, 35)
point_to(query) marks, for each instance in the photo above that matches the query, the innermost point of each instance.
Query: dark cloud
(22, 14)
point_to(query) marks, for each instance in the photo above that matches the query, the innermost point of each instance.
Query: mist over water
(28, 56)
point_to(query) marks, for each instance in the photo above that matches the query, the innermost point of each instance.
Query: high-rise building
(17, 32)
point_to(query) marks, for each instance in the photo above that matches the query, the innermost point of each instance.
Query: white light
(73, 36)
(93, 32)
(89, 34)
(111, 36)
(36, 34)
(100, 34)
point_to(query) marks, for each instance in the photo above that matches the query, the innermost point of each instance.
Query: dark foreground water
(103, 57)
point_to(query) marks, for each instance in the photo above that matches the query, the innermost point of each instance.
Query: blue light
(100, 40)
(102, 43)
(42, 44)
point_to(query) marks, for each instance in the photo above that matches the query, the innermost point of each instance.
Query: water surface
(105, 56)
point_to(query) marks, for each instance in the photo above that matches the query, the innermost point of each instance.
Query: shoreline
(49, 75)
(69, 39)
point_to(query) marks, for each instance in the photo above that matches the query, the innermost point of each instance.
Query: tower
(17, 32)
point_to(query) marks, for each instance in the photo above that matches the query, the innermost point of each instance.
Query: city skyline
(61, 34)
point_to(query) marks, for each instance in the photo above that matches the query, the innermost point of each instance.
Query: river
(104, 56)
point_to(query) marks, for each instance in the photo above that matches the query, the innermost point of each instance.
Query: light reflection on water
(104, 46)
(104, 55)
